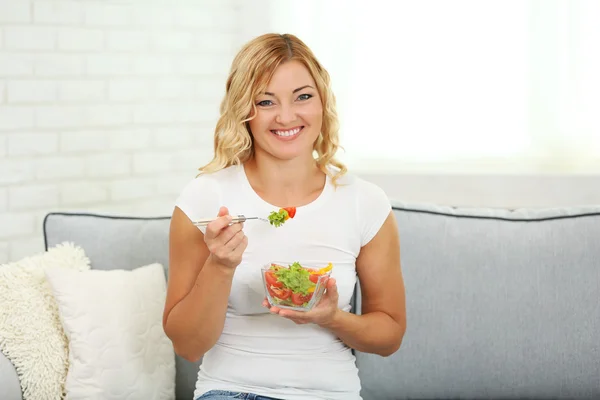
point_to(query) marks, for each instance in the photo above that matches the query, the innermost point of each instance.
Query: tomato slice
(280, 293)
(272, 280)
(299, 298)
(314, 278)
(291, 211)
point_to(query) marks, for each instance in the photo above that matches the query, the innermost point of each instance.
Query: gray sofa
(501, 304)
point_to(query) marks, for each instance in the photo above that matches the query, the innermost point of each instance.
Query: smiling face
(289, 114)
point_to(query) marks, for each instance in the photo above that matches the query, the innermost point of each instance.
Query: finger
(214, 228)
(240, 248)
(298, 322)
(236, 243)
(275, 310)
(294, 315)
(223, 212)
(332, 290)
(331, 285)
(227, 233)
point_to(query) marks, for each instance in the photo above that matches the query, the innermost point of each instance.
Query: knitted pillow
(31, 333)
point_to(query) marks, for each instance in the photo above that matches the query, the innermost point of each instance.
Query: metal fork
(236, 219)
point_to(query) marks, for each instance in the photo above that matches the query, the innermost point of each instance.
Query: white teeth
(287, 133)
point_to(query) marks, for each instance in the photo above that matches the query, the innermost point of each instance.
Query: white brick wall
(2, 84)
(105, 106)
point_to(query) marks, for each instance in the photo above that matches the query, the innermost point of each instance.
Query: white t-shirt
(266, 354)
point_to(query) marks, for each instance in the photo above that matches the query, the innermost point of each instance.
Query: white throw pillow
(117, 346)
(31, 334)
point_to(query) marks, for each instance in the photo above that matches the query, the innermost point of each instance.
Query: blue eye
(265, 103)
(304, 96)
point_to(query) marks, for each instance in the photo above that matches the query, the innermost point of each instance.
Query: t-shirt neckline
(325, 192)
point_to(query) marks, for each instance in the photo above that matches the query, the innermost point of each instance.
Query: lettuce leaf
(295, 278)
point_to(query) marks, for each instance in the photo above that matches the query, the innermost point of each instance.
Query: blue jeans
(226, 395)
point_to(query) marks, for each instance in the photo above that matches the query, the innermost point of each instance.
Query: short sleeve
(374, 206)
(200, 199)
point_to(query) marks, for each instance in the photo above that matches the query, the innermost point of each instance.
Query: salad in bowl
(295, 286)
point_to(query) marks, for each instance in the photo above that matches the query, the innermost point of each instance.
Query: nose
(285, 115)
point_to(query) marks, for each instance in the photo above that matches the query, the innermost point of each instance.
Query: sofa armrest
(10, 389)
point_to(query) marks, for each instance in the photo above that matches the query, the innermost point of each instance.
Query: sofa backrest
(500, 304)
(112, 242)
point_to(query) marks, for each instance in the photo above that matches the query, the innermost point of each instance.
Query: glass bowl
(295, 286)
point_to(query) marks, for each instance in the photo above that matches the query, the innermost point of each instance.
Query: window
(462, 86)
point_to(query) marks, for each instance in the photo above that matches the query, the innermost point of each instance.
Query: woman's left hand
(323, 313)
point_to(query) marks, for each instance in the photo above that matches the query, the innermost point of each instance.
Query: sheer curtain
(459, 86)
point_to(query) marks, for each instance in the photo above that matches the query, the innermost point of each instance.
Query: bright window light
(461, 86)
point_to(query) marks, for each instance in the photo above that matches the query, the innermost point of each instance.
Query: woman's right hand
(225, 242)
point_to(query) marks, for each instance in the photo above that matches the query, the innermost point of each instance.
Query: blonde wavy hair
(250, 73)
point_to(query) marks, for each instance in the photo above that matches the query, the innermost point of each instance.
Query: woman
(277, 114)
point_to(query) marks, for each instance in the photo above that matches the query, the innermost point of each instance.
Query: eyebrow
(295, 90)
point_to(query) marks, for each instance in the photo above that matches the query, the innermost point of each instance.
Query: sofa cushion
(113, 320)
(500, 304)
(114, 242)
(30, 322)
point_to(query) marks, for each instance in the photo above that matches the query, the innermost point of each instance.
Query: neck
(287, 180)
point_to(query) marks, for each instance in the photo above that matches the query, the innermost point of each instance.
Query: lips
(288, 133)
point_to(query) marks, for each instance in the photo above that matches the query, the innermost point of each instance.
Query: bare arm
(198, 287)
(382, 325)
